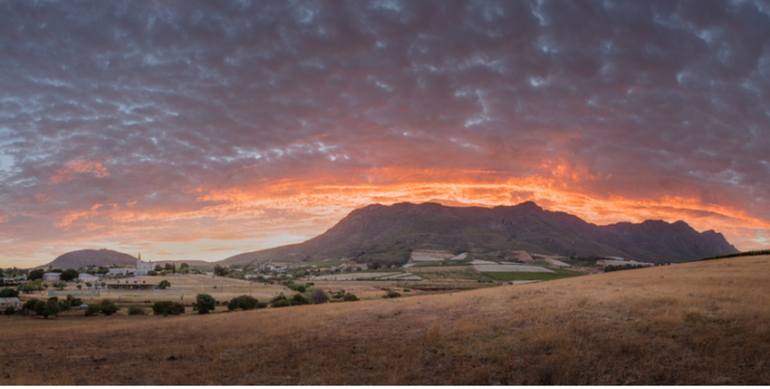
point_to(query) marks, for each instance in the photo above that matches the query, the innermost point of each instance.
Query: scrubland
(696, 323)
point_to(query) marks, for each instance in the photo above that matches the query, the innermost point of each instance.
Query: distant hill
(390, 233)
(83, 258)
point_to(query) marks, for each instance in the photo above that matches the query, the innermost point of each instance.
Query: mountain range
(379, 233)
(388, 234)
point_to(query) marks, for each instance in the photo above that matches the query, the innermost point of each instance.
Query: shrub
(136, 310)
(29, 305)
(389, 294)
(280, 301)
(36, 274)
(319, 296)
(60, 285)
(8, 292)
(93, 309)
(204, 303)
(299, 299)
(243, 302)
(30, 287)
(47, 308)
(69, 275)
(302, 288)
(164, 284)
(349, 297)
(9, 311)
(166, 308)
(107, 307)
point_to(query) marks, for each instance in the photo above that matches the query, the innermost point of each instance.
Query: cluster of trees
(49, 308)
(105, 307)
(245, 303)
(166, 308)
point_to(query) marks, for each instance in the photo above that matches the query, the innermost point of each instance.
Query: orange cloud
(79, 166)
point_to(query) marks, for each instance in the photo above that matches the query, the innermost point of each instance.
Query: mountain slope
(83, 258)
(389, 233)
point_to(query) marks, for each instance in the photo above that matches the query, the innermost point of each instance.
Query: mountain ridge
(389, 233)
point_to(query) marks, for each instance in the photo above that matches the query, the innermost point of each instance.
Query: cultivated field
(697, 323)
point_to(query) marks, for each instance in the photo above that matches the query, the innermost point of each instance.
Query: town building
(10, 302)
(87, 277)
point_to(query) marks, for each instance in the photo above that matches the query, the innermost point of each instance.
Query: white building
(51, 277)
(142, 267)
(10, 302)
(86, 277)
(121, 271)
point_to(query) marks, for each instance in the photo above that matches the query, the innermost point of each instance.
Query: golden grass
(697, 323)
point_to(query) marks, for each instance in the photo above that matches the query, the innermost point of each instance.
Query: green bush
(93, 309)
(47, 308)
(107, 307)
(391, 294)
(299, 299)
(349, 297)
(30, 287)
(242, 302)
(204, 303)
(166, 308)
(69, 275)
(136, 310)
(164, 284)
(29, 305)
(8, 292)
(280, 301)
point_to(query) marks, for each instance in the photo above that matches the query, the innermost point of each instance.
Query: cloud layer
(202, 129)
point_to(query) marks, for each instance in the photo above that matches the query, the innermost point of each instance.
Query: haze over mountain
(389, 233)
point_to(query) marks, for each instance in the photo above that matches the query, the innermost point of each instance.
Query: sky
(199, 130)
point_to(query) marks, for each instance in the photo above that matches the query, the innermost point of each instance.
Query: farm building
(10, 302)
(121, 271)
(87, 277)
(51, 276)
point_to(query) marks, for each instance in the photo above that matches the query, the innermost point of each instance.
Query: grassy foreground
(696, 323)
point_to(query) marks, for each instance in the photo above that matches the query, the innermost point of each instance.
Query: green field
(522, 276)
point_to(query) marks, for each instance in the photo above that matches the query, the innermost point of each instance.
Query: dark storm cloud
(142, 102)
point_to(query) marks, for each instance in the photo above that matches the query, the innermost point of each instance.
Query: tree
(36, 274)
(184, 268)
(170, 267)
(69, 275)
(107, 307)
(47, 308)
(204, 303)
(299, 299)
(280, 301)
(164, 284)
(243, 302)
(319, 296)
(166, 308)
(8, 292)
(220, 270)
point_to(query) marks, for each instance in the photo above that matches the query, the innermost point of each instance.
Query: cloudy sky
(199, 130)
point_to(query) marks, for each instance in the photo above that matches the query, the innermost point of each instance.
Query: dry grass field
(696, 323)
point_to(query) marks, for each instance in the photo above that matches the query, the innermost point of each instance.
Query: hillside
(389, 233)
(83, 258)
(693, 323)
